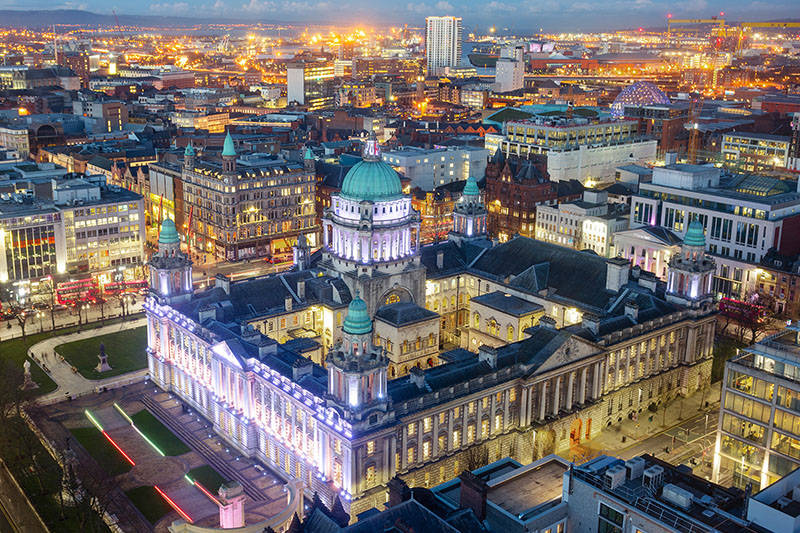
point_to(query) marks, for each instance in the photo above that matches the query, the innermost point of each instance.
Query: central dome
(372, 179)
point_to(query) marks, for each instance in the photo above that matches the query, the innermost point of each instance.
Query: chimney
(417, 377)
(224, 282)
(632, 310)
(473, 494)
(617, 270)
(591, 322)
(301, 289)
(398, 492)
(301, 367)
(287, 303)
(440, 259)
(547, 322)
(488, 354)
(206, 312)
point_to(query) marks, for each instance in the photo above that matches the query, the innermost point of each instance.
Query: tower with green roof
(691, 272)
(170, 268)
(356, 367)
(189, 156)
(228, 155)
(469, 214)
(371, 234)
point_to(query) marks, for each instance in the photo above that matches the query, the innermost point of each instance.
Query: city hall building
(561, 344)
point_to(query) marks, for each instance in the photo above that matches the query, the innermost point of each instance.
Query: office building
(758, 438)
(754, 152)
(579, 148)
(431, 168)
(587, 224)
(102, 116)
(442, 44)
(311, 84)
(743, 215)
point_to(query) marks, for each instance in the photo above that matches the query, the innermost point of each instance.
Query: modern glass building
(758, 439)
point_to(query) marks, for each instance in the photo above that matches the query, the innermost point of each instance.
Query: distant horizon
(506, 17)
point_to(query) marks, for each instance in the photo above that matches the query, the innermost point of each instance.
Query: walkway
(72, 384)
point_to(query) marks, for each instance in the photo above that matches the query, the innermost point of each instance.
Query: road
(686, 441)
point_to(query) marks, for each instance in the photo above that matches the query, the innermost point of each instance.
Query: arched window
(477, 321)
(510, 333)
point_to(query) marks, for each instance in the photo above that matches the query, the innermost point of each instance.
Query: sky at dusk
(552, 15)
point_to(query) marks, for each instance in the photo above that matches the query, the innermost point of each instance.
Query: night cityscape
(315, 267)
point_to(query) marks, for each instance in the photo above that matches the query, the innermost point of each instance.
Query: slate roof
(570, 275)
(507, 303)
(404, 313)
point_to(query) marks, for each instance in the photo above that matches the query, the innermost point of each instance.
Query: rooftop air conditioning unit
(677, 496)
(615, 476)
(653, 477)
(634, 467)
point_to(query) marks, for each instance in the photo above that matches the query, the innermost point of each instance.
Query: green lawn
(149, 502)
(39, 476)
(208, 477)
(125, 350)
(101, 450)
(157, 432)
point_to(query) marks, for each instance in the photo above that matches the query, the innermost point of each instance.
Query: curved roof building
(640, 93)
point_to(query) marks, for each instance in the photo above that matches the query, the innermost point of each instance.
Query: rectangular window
(370, 447)
(484, 429)
(427, 424)
(426, 450)
(457, 438)
(410, 455)
(412, 429)
(610, 520)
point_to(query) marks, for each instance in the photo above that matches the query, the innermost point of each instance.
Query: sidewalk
(72, 384)
(668, 416)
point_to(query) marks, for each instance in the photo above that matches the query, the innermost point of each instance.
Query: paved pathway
(72, 384)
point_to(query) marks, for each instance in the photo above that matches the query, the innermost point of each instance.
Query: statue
(28, 382)
(103, 365)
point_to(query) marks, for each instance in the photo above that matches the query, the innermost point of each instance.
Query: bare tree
(476, 457)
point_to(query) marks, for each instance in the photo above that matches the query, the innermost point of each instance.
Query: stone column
(435, 437)
(404, 450)
(582, 386)
(542, 400)
(570, 390)
(556, 396)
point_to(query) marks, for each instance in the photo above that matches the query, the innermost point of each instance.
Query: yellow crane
(748, 26)
(713, 20)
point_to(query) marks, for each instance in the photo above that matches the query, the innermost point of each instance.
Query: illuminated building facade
(758, 437)
(442, 43)
(311, 84)
(755, 152)
(345, 427)
(579, 148)
(588, 224)
(246, 206)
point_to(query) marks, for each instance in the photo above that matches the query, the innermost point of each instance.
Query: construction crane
(713, 20)
(748, 26)
(694, 128)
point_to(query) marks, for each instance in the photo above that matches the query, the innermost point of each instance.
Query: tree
(22, 318)
(476, 457)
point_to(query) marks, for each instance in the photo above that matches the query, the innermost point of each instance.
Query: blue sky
(553, 15)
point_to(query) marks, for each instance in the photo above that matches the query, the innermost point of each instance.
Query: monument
(28, 382)
(231, 505)
(103, 365)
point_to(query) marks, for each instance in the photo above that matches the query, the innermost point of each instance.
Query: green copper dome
(471, 188)
(372, 180)
(309, 154)
(168, 233)
(357, 321)
(228, 148)
(694, 235)
(189, 150)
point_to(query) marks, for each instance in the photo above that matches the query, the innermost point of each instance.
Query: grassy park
(101, 450)
(125, 350)
(149, 502)
(208, 477)
(159, 434)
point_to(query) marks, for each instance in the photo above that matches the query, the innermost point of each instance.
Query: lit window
(484, 429)
(410, 455)
(370, 447)
(427, 424)
(426, 450)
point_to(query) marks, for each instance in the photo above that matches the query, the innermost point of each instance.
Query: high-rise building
(442, 43)
(758, 437)
(510, 70)
(311, 83)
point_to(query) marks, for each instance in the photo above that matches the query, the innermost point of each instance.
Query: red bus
(741, 311)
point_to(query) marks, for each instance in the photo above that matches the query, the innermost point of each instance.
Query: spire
(371, 150)
(189, 152)
(228, 150)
